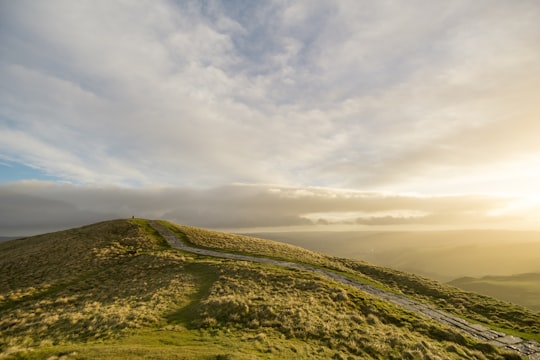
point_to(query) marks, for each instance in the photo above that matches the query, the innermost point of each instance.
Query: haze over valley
(443, 256)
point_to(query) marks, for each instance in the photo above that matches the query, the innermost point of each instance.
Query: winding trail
(531, 349)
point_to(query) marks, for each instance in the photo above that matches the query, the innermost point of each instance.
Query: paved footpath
(531, 349)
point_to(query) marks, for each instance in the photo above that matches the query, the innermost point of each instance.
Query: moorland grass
(114, 290)
(493, 313)
(245, 245)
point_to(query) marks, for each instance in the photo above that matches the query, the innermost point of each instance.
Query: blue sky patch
(13, 171)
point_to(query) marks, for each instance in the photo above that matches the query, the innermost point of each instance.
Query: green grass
(186, 314)
(152, 233)
(165, 344)
(113, 290)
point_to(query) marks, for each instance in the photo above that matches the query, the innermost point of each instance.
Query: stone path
(531, 349)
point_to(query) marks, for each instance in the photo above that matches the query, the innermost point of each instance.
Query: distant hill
(6, 238)
(439, 255)
(117, 290)
(522, 289)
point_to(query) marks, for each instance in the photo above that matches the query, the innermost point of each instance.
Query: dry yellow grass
(114, 289)
(251, 246)
(302, 306)
(79, 284)
(496, 313)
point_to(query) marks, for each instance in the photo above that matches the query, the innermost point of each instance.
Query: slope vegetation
(115, 290)
(483, 309)
(523, 289)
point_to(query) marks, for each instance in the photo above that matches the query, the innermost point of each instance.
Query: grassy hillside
(433, 254)
(473, 306)
(521, 289)
(442, 256)
(115, 290)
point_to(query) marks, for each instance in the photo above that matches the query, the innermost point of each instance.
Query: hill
(433, 254)
(523, 289)
(441, 255)
(116, 290)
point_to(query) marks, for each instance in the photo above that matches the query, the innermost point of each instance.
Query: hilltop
(117, 290)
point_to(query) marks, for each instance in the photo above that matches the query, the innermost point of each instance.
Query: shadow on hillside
(188, 314)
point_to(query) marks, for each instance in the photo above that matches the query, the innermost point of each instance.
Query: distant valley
(6, 238)
(446, 256)
(522, 289)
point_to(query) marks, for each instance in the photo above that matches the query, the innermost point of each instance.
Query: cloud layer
(34, 207)
(346, 93)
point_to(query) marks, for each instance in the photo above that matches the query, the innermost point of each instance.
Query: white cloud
(370, 95)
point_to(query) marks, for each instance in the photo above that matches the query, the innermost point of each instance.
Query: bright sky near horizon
(270, 114)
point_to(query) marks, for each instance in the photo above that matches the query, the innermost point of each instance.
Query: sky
(270, 114)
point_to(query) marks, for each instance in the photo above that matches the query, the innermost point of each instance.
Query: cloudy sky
(270, 114)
